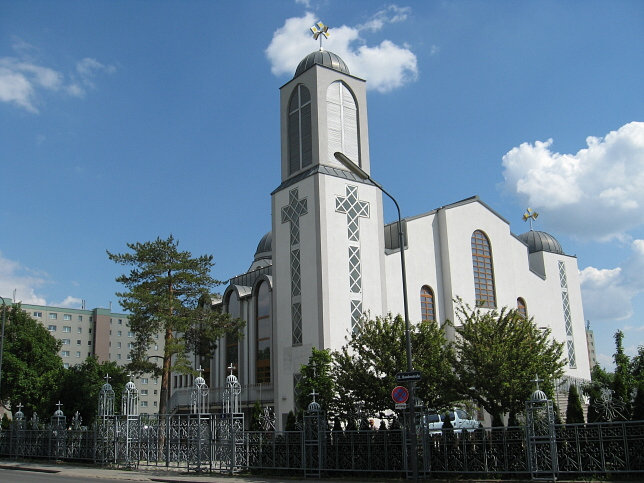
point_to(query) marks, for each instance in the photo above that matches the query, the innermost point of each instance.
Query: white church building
(329, 256)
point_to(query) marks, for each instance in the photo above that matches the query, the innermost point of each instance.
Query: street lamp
(358, 171)
(4, 318)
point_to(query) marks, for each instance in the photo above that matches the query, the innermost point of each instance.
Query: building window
(119, 333)
(67, 328)
(80, 318)
(129, 334)
(120, 322)
(65, 353)
(130, 345)
(144, 404)
(79, 330)
(67, 317)
(342, 122)
(427, 309)
(144, 392)
(484, 291)
(91, 318)
(53, 316)
(264, 332)
(66, 341)
(89, 342)
(118, 345)
(129, 357)
(66, 365)
(522, 308)
(300, 146)
(232, 340)
(118, 356)
(37, 314)
(144, 380)
(51, 328)
(78, 342)
(78, 354)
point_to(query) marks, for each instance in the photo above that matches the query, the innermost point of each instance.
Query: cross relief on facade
(354, 209)
(291, 213)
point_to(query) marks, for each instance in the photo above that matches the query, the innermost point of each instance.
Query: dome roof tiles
(324, 58)
(539, 241)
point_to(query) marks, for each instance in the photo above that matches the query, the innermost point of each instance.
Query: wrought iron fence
(205, 442)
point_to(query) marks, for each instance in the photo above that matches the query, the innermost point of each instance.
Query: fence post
(540, 435)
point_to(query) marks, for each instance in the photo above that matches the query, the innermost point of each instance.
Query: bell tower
(328, 241)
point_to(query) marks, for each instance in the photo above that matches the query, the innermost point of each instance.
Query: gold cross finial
(531, 215)
(320, 30)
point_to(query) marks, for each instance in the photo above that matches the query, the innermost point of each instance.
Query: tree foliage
(574, 411)
(81, 385)
(622, 379)
(164, 287)
(600, 381)
(498, 354)
(316, 376)
(365, 368)
(32, 366)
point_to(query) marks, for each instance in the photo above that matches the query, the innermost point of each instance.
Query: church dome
(265, 247)
(324, 58)
(539, 241)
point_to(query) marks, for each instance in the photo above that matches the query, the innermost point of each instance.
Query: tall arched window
(300, 148)
(342, 121)
(427, 309)
(232, 340)
(484, 291)
(522, 308)
(264, 332)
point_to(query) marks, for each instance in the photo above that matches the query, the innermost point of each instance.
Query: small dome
(231, 379)
(19, 415)
(538, 396)
(200, 381)
(107, 387)
(265, 247)
(130, 386)
(539, 241)
(314, 406)
(324, 58)
(58, 413)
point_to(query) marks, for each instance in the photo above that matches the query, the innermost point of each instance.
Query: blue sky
(121, 121)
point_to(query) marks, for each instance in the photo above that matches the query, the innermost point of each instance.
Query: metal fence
(206, 443)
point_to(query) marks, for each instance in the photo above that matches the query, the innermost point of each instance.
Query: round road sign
(400, 394)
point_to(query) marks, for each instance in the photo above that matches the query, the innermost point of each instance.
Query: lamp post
(4, 318)
(355, 169)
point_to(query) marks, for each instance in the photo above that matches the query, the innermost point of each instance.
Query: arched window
(483, 270)
(232, 340)
(427, 309)
(522, 308)
(342, 121)
(264, 332)
(300, 147)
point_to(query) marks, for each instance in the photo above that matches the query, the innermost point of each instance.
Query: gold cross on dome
(531, 215)
(320, 30)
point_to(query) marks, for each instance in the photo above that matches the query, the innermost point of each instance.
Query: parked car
(459, 419)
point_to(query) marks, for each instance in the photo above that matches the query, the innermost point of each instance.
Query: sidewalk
(173, 475)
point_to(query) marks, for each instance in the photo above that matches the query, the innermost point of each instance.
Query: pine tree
(164, 287)
(574, 412)
(622, 380)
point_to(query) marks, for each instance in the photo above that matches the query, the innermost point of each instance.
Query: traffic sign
(408, 376)
(400, 394)
(401, 406)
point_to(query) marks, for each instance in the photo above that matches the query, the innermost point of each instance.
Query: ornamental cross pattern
(291, 213)
(354, 209)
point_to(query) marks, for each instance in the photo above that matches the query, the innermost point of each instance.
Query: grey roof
(540, 241)
(324, 58)
(265, 247)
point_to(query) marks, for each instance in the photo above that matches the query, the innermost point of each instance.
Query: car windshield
(433, 418)
(461, 414)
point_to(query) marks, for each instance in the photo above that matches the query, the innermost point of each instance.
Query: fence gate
(540, 435)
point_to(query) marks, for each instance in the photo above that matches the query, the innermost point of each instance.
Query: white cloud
(25, 282)
(22, 79)
(608, 293)
(70, 302)
(386, 66)
(597, 192)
